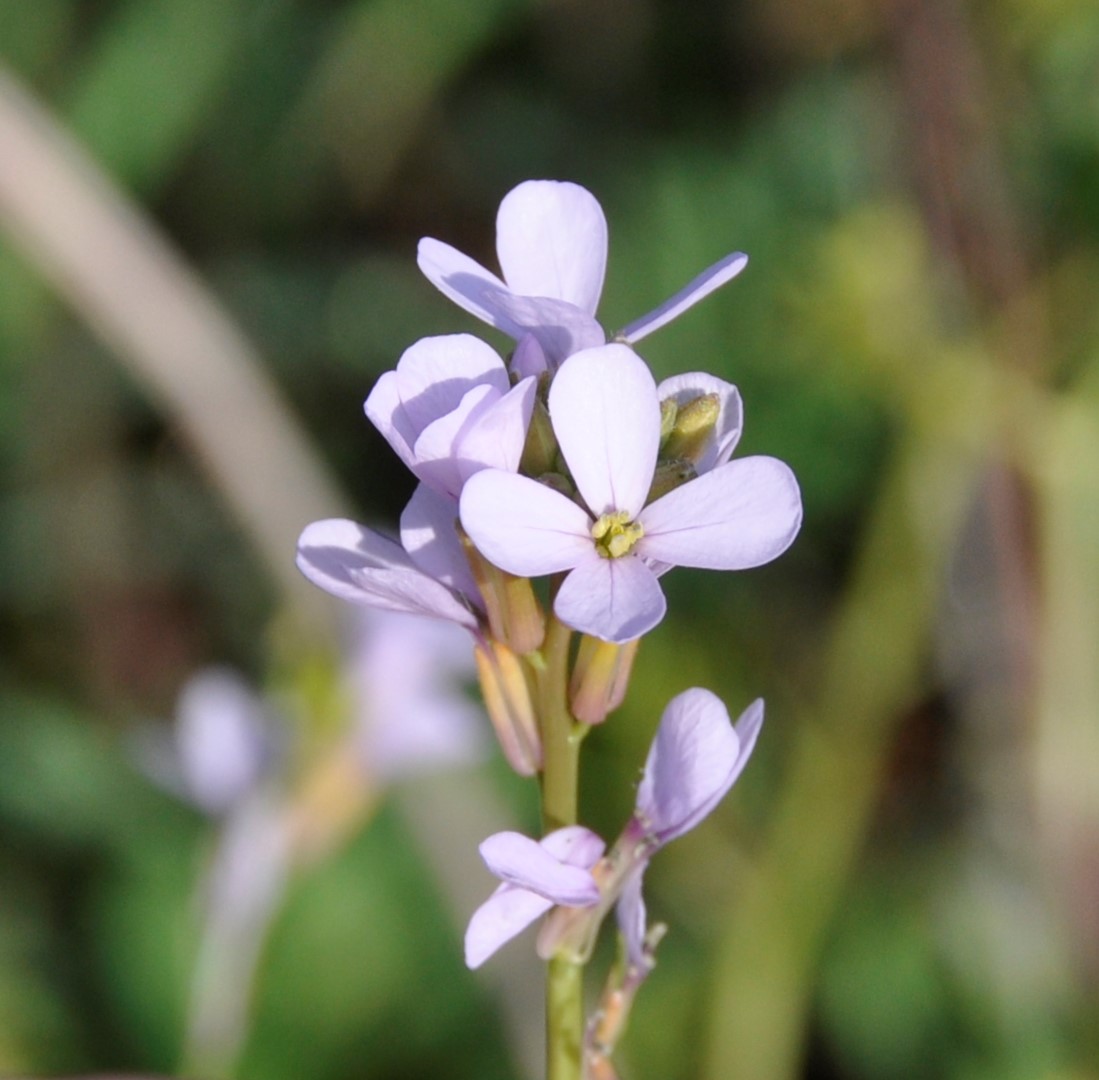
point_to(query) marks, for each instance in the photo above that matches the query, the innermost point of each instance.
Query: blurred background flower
(209, 214)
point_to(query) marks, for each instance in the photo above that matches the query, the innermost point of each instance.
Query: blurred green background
(208, 219)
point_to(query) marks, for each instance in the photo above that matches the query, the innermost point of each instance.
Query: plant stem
(561, 740)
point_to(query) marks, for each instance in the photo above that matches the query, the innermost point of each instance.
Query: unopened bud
(507, 702)
(668, 411)
(669, 475)
(540, 450)
(600, 677)
(693, 428)
(514, 614)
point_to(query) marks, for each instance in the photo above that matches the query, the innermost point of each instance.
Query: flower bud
(600, 677)
(692, 429)
(540, 451)
(514, 614)
(508, 704)
(669, 475)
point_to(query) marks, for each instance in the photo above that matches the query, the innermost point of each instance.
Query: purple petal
(435, 458)
(606, 416)
(561, 328)
(529, 357)
(522, 526)
(429, 533)
(741, 514)
(384, 410)
(575, 845)
(730, 416)
(437, 372)
(521, 861)
(551, 239)
(465, 282)
(616, 600)
(632, 917)
(506, 913)
(710, 279)
(358, 565)
(692, 763)
(495, 435)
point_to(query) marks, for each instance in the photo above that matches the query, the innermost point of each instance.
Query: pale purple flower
(536, 875)
(551, 242)
(408, 675)
(448, 409)
(685, 388)
(359, 565)
(694, 760)
(605, 411)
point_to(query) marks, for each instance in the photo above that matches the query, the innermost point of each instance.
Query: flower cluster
(572, 462)
(569, 462)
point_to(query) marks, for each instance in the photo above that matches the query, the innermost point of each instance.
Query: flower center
(614, 534)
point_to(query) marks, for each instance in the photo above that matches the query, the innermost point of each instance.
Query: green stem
(561, 740)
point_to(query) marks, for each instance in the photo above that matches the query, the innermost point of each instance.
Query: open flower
(606, 417)
(694, 760)
(448, 409)
(536, 875)
(359, 565)
(551, 240)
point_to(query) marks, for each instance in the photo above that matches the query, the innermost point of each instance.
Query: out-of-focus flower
(536, 875)
(607, 420)
(448, 409)
(551, 241)
(408, 675)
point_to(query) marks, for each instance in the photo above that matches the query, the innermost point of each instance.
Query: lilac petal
(358, 565)
(506, 913)
(741, 514)
(551, 239)
(429, 533)
(606, 416)
(712, 278)
(632, 917)
(435, 459)
(691, 765)
(523, 526)
(747, 727)
(616, 600)
(561, 328)
(437, 372)
(529, 357)
(730, 416)
(496, 434)
(575, 845)
(465, 282)
(521, 861)
(384, 410)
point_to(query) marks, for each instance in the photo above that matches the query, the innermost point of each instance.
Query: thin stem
(561, 740)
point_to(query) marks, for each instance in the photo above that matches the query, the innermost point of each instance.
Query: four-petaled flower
(551, 240)
(606, 417)
(694, 760)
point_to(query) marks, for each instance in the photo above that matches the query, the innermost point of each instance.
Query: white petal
(437, 372)
(606, 416)
(691, 764)
(730, 416)
(616, 600)
(522, 526)
(551, 239)
(429, 533)
(712, 278)
(742, 514)
(465, 282)
(506, 913)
